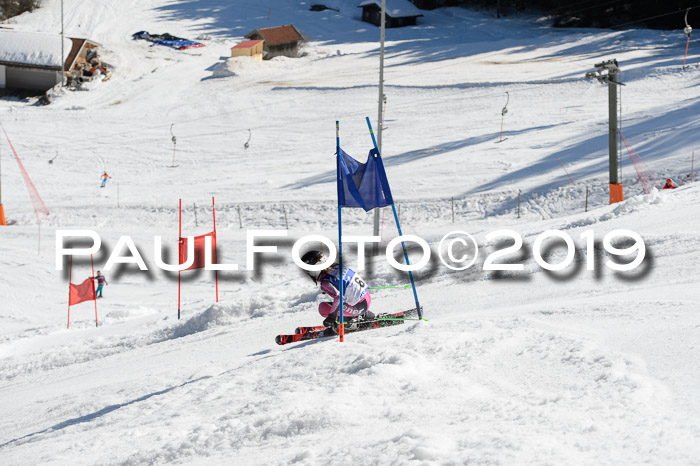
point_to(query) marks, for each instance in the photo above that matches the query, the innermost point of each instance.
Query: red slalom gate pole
(216, 256)
(94, 295)
(686, 50)
(179, 245)
(70, 279)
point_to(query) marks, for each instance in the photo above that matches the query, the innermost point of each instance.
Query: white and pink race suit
(356, 298)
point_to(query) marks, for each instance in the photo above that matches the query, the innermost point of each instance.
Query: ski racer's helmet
(669, 180)
(312, 258)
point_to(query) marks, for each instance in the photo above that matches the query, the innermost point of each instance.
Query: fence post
(196, 224)
(240, 221)
(586, 198)
(518, 203)
(453, 209)
(284, 211)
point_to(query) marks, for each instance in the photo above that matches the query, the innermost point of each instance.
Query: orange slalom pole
(2, 216)
(686, 50)
(179, 246)
(216, 257)
(70, 278)
(94, 295)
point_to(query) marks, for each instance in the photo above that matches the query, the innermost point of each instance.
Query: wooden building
(82, 59)
(279, 41)
(249, 48)
(32, 61)
(398, 13)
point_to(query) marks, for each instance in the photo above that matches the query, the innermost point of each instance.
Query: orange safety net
(39, 207)
(647, 178)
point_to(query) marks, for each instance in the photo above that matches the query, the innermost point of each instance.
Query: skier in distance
(101, 282)
(669, 184)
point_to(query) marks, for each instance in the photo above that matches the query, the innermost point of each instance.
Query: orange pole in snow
(216, 257)
(179, 245)
(70, 278)
(94, 296)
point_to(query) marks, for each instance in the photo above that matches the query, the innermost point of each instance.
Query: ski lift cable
(420, 102)
(481, 57)
(654, 17)
(412, 104)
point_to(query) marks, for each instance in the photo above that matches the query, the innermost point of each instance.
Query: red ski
(316, 332)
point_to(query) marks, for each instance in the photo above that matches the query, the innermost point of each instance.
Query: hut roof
(247, 44)
(33, 49)
(279, 34)
(395, 8)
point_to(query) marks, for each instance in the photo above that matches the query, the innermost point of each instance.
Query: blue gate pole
(341, 329)
(398, 227)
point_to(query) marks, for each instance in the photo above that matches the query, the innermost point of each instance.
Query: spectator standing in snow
(105, 177)
(101, 281)
(669, 184)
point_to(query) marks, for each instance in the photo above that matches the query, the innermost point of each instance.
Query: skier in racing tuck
(356, 298)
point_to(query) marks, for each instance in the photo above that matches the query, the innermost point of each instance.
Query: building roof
(278, 35)
(395, 8)
(247, 44)
(33, 49)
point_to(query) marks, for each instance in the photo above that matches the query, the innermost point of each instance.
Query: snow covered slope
(533, 367)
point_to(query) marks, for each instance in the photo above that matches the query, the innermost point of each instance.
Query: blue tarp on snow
(167, 40)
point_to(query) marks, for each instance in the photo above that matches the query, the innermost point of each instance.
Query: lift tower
(607, 72)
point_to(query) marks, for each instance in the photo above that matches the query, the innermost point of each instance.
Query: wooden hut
(248, 48)
(32, 61)
(398, 13)
(279, 41)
